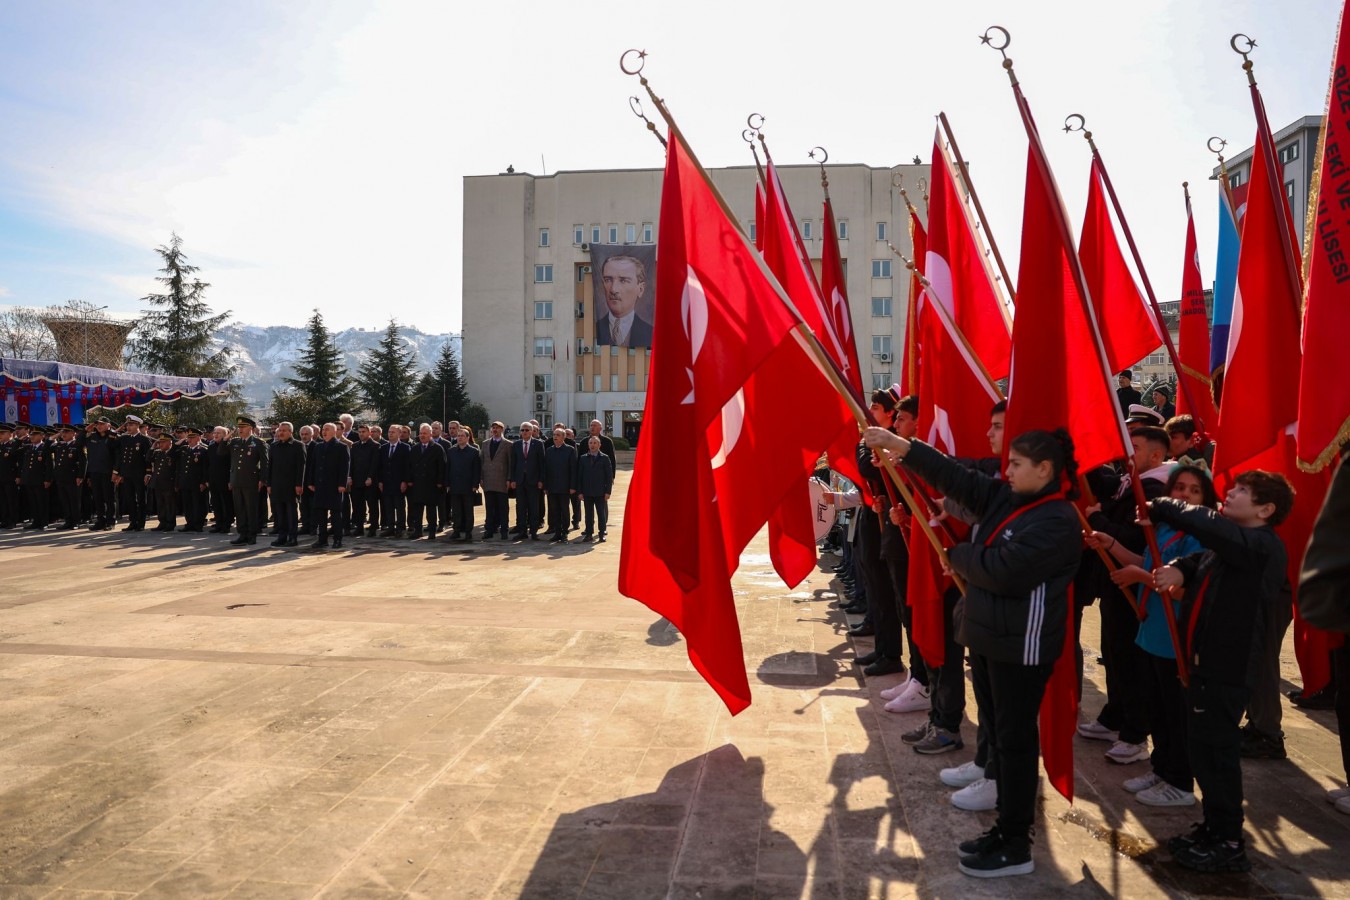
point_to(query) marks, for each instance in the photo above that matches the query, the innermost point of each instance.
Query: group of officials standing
(334, 481)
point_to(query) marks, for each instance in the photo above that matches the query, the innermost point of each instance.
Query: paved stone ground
(184, 719)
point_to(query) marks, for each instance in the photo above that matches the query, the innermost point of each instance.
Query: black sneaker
(1323, 699)
(1215, 856)
(981, 844)
(1256, 745)
(1199, 834)
(867, 659)
(884, 665)
(1001, 858)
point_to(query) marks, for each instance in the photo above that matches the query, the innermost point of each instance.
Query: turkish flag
(721, 318)
(909, 358)
(958, 271)
(1129, 331)
(1193, 340)
(1324, 392)
(1059, 379)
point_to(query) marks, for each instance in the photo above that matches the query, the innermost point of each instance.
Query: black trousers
(101, 490)
(70, 504)
(461, 514)
(193, 500)
(1214, 736)
(166, 508)
(131, 494)
(576, 510)
(1171, 757)
(39, 504)
(9, 503)
(1014, 738)
(527, 508)
(985, 755)
(947, 682)
(329, 518)
(1126, 709)
(882, 610)
(558, 508)
(365, 506)
(497, 512)
(1264, 712)
(1340, 663)
(392, 509)
(597, 512)
(417, 505)
(286, 513)
(222, 504)
(246, 510)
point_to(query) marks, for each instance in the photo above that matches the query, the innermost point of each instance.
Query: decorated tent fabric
(47, 393)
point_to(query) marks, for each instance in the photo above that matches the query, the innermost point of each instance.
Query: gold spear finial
(1075, 122)
(989, 36)
(636, 106)
(1237, 42)
(824, 158)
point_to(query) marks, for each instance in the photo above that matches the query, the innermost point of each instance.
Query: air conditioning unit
(585, 248)
(586, 348)
(585, 270)
(883, 357)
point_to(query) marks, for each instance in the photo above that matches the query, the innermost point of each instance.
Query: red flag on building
(1128, 329)
(1324, 392)
(909, 353)
(1060, 378)
(1193, 337)
(721, 320)
(958, 269)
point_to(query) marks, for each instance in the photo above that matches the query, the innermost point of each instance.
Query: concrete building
(1296, 150)
(530, 349)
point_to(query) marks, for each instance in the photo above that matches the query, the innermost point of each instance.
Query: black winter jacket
(1016, 604)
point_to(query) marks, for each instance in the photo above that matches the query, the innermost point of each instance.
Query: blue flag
(1225, 281)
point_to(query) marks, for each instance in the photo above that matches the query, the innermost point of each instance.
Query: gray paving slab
(181, 718)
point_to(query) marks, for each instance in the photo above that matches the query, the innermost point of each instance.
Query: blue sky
(311, 153)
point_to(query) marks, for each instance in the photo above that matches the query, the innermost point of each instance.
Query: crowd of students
(1030, 565)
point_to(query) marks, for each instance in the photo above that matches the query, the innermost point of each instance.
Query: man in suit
(446, 438)
(98, 444)
(426, 484)
(393, 481)
(625, 281)
(595, 482)
(463, 473)
(527, 477)
(365, 491)
(560, 470)
(328, 485)
(248, 478)
(218, 467)
(496, 472)
(286, 484)
(191, 478)
(130, 460)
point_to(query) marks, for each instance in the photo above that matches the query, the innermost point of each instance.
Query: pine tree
(387, 377)
(321, 384)
(174, 338)
(441, 393)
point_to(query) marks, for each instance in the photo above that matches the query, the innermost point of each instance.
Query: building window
(595, 234)
(613, 349)
(881, 268)
(543, 346)
(630, 234)
(543, 383)
(543, 274)
(1158, 358)
(881, 231)
(1234, 179)
(578, 234)
(1289, 152)
(842, 224)
(881, 381)
(581, 346)
(806, 230)
(646, 232)
(754, 233)
(632, 381)
(881, 306)
(597, 384)
(582, 272)
(614, 234)
(1289, 191)
(614, 382)
(581, 383)
(881, 346)
(543, 309)
(543, 237)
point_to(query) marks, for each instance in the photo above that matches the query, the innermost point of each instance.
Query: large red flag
(1193, 340)
(909, 353)
(1059, 378)
(720, 319)
(958, 270)
(1129, 331)
(1324, 393)
(835, 291)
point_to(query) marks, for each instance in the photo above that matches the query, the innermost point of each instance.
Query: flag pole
(912, 300)
(1080, 125)
(1041, 170)
(1198, 376)
(803, 334)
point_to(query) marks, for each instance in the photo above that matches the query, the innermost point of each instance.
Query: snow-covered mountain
(263, 355)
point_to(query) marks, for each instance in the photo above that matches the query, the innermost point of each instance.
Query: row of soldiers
(350, 481)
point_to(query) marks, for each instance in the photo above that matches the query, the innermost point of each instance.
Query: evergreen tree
(175, 334)
(387, 377)
(321, 385)
(441, 393)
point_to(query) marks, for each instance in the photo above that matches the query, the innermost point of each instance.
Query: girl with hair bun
(1018, 566)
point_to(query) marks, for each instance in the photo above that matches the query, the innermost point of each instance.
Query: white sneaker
(895, 690)
(962, 775)
(1335, 794)
(1164, 794)
(1096, 731)
(914, 699)
(1343, 805)
(978, 796)
(1142, 782)
(1124, 754)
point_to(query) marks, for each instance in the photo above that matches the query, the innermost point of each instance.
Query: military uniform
(248, 473)
(100, 457)
(9, 476)
(191, 474)
(68, 462)
(130, 459)
(36, 478)
(160, 480)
